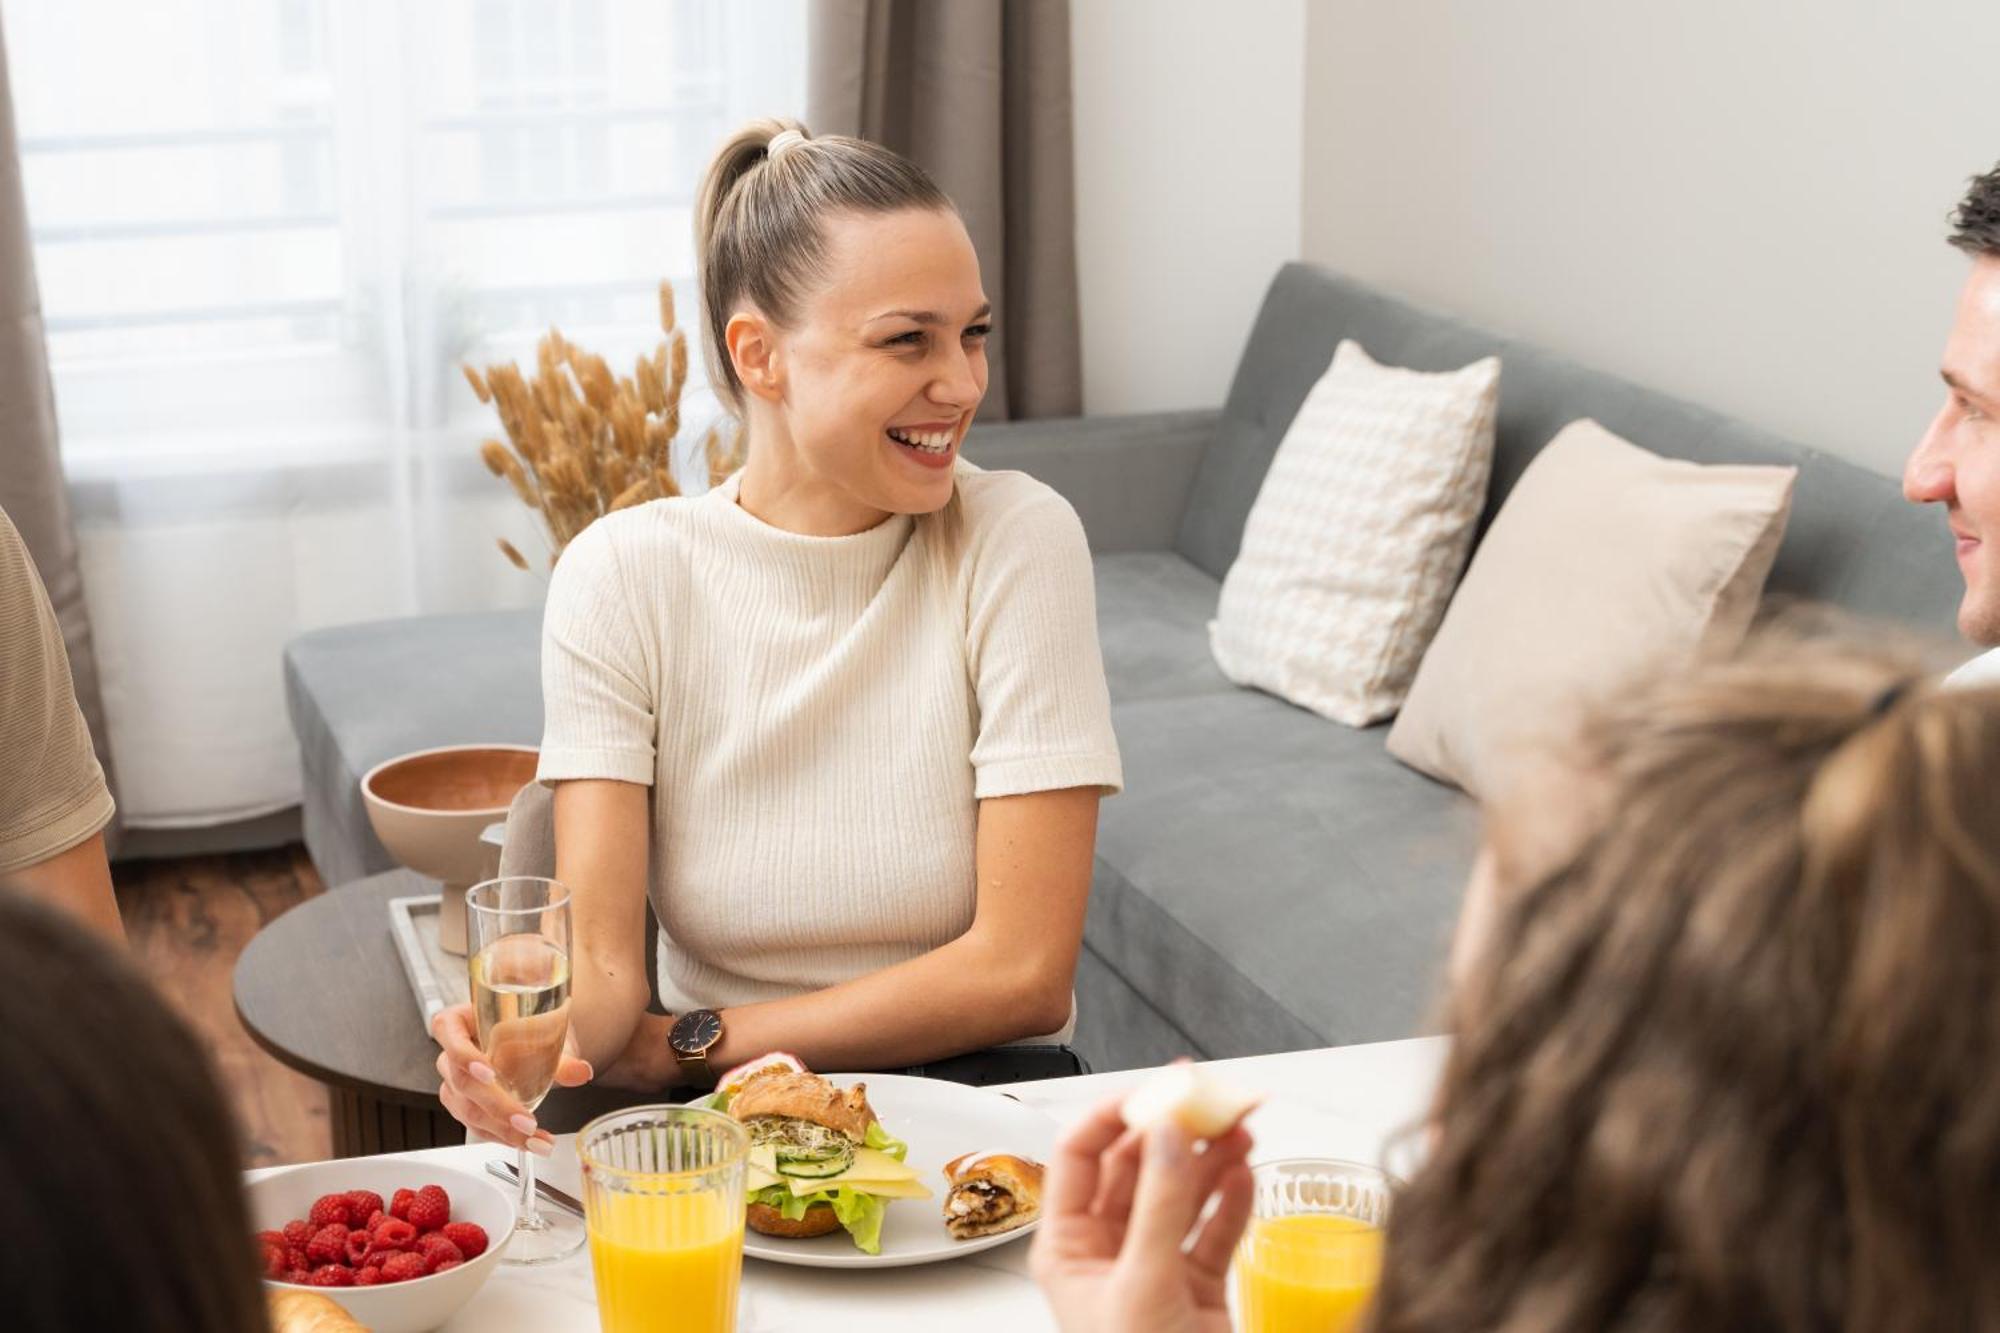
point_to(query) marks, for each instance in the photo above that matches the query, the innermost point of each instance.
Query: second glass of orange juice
(1312, 1256)
(663, 1192)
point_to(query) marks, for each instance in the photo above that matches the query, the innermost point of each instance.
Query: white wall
(1740, 203)
(1188, 142)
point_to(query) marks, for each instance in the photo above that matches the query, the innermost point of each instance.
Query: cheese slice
(882, 1189)
(872, 1170)
(761, 1172)
(874, 1164)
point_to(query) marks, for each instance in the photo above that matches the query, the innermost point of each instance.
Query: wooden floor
(188, 919)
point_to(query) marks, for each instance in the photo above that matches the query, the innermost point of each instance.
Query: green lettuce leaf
(881, 1140)
(859, 1212)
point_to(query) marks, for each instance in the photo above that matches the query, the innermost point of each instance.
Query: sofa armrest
(1128, 477)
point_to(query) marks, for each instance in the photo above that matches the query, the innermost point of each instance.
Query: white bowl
(400, 1307)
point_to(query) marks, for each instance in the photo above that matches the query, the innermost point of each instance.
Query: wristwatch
(694, 1034)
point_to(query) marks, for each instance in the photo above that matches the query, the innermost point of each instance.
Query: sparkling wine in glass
(517, 930)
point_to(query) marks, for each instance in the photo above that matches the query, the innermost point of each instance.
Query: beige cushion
(1358, 535)
(1605, 560)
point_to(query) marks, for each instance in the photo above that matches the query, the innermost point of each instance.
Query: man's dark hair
(1975, 228)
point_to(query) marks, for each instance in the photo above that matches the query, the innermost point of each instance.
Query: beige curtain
(977, 93)
(31, 480)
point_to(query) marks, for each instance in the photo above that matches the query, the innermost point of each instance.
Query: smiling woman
(843, 718)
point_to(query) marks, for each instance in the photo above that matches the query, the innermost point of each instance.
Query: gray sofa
(1268, 880)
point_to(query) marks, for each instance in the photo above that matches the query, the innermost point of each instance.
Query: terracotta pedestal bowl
(428, 809)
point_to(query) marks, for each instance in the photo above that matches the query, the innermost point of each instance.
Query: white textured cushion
(1358, 535)
(1605, 562)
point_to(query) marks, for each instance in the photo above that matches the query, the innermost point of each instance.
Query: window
(276, 226)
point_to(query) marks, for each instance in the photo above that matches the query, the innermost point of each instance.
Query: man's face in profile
(1957, 463)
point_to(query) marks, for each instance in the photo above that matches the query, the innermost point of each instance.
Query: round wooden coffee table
(322, 989)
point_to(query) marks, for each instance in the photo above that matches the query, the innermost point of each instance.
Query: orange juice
(1308, 1273)
(666, 1261)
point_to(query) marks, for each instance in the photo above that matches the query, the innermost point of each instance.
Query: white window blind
(289, 219)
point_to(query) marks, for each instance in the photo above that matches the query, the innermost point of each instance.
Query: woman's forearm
(965, 995)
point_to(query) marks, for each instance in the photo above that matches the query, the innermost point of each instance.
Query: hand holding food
(1139, 1228)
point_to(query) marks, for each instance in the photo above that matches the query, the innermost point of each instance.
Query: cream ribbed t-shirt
(818, 718)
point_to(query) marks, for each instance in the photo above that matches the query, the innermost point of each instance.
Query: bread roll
(1204, 1106)
(309, 1312)
(765, 1220)
(806, 1097)
(991, 1193)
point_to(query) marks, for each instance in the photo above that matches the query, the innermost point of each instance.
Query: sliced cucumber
(814, 1170)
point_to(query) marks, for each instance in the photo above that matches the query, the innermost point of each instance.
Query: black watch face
(696, 1031)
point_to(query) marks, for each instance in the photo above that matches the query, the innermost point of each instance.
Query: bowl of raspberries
(400, 1244)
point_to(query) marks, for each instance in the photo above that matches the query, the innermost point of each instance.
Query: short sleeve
(597, 687)
(1037, 671)
(52, 789)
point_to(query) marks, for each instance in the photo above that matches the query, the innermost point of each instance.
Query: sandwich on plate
(819, 1158)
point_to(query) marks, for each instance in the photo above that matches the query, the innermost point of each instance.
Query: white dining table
(1355, 1102)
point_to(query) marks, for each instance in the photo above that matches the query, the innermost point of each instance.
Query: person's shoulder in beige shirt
(53, 795)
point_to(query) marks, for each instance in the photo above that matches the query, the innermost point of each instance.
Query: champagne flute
(517, 933)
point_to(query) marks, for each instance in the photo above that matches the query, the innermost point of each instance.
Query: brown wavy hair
(121, 1198)
(1733, 1062)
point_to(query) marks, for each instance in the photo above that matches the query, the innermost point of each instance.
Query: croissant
(991, 1193)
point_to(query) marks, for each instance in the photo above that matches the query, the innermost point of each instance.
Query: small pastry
(990, 1193)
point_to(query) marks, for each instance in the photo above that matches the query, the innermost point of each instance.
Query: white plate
(940, 1121)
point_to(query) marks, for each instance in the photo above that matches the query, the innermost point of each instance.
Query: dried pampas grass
(582, 441)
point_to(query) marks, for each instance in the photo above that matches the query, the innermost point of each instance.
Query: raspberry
(395, 1234)
(436, 1249)
(399, 1203)
(298, 1231)
(375, 1219)
(272, 1238)
(299, 1276)
(332, 1275)
(376, 1258)
(431, 1208)
(470, 1238)
(402, 1268)
(274, 1260)
(295, 1257)
(367, 1277)
(329, 1244)
(360, 1203)
(328, 1208)
(448, 1265)
(357, 1246)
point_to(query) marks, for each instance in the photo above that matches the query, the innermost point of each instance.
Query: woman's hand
(472, 1091)
(1111, 1254)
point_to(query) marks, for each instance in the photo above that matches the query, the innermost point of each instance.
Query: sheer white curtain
(267, 233)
